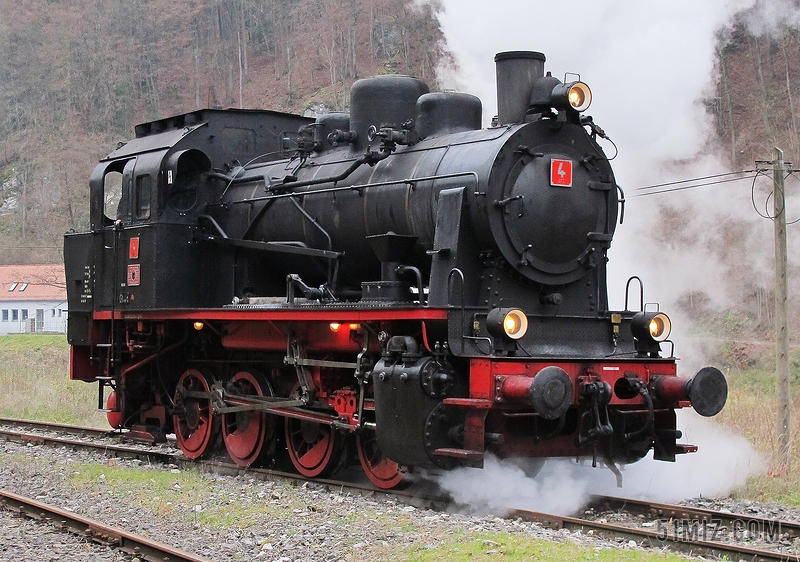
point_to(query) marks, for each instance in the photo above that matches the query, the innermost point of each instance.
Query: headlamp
(576, 95)
(507, 323)
(651, 326)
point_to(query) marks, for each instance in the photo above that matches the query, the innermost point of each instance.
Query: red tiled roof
(44, 282)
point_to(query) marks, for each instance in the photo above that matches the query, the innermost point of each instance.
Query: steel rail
(689, 543)
(103, 448)
(137, 545)
(415, 498)
(33, 424)
(691, 513)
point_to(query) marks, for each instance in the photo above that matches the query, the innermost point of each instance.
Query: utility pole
(781, 331)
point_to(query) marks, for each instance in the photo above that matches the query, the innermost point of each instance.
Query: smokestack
(517, 71)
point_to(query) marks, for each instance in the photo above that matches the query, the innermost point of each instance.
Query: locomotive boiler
(394, 286)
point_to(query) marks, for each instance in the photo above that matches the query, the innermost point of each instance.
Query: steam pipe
(648, 424)
(402, 269)
(229, 179)
(368, 157)
(411, 181)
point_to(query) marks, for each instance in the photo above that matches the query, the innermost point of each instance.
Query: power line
(695, 179)
(693, 182)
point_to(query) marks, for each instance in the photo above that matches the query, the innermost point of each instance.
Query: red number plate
(561, 172)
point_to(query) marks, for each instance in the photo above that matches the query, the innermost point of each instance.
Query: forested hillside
(76, 76)
(755, 107)
(758, 92)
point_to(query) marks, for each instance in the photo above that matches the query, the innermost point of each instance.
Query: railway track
(692, 530)
(696, 537)
(136, 545)
(753, 525)
(108, 444)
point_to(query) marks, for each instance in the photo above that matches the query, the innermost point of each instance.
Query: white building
(33, 298)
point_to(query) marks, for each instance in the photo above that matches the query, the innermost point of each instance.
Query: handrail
(358, 187)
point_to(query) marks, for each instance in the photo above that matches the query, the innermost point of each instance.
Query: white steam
(768, 16)
(723, 461)
(650, 65)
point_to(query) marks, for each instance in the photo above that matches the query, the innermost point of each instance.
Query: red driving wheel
(247, 434)
(196, 425)
(312, 447)
(381, 471)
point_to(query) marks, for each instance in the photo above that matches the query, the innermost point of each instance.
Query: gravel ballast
(252, 519)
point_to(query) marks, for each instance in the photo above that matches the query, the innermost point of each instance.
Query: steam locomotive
(395, 287)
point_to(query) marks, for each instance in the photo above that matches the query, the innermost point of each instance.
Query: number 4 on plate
(561, 172)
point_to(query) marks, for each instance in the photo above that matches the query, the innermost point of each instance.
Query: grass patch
(189, 494)
(752, 411)
(783, 489)
(465, 546)
(34, 376)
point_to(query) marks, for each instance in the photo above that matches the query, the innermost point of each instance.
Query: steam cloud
(649, 65)
(723, 461)
(767, 17)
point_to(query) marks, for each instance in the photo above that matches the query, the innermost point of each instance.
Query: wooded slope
(76, 76)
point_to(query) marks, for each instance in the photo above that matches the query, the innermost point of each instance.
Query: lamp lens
(515, 324)
(579, 96)
(659, 327)
(576, 97)
(656, 327)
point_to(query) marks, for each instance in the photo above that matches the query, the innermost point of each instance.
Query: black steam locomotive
(395, 283)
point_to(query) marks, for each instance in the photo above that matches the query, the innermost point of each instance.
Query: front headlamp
(651, 326)
(576, 95)
(507, 323)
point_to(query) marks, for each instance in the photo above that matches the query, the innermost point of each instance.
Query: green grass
(34, 376)
(178, 493)
(752, 411)
(465, 546)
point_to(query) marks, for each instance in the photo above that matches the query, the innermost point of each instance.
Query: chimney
(517, 71)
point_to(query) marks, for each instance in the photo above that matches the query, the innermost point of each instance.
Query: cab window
(112, 193)
(184, 173)
(143, 197)
(117, 190)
